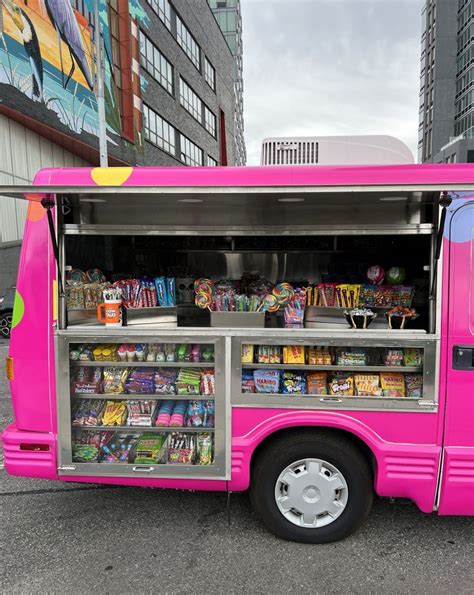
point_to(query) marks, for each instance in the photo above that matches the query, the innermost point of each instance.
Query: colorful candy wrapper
(160, 286)
(171, 291)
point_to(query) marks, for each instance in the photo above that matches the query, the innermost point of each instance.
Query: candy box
(367, 385)
(294, 354)
(393, 384)
(414, 386)
(150, 448)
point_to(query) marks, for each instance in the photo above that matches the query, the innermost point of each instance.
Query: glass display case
(342, 373)
(143, 406)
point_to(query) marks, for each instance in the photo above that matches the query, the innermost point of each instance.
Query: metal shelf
(148, 397)
(93, 364)
(140, 428)
(322, 368)
(329, 399)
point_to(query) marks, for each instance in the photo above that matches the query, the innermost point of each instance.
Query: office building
(446, 124)
(169, 92)
(228, 15)
(335, 150)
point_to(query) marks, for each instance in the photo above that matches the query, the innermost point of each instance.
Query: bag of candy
(267, 381)
(414, 386)
(317, 383)
(204, 449)
(248, 382)
(165, 381)
(209, 414)
(195, 414)
(367, 385)
(393, 384)
(342, 384)
(413, 357)
(292, 383)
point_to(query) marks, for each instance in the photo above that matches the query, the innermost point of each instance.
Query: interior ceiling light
(291, 199)
(92, 200)
(190, 200)
(393, 198)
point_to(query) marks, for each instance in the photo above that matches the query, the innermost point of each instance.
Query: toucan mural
(47, 54)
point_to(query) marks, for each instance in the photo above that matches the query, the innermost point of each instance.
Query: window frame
(145, 62)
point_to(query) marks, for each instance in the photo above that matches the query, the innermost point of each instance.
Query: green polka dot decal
(18, 309)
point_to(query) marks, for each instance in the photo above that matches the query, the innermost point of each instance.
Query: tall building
(335, 150)
(169, 92)
(446, 126)
(228, 15)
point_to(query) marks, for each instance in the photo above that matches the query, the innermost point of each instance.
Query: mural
(47, 54)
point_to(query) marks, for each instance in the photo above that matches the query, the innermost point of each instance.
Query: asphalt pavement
(72, 538)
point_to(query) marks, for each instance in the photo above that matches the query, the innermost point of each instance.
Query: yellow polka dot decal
(111, 176)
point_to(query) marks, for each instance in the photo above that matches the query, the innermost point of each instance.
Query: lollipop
(395, 275)
(283, 293)
(269, 303)
(375, 274)
(203, 283)
(203, 300)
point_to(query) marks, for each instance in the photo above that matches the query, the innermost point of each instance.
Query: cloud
(324, 67)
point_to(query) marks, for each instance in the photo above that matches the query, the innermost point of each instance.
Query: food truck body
(312, 458)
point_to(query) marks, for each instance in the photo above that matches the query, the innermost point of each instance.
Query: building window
(155, 63)
(210, 121)
(163, 10)
(188, 43)
(210, 74)
(211, 162)
(191, 154)
(112, 6)
(189, 100)
(158, 131)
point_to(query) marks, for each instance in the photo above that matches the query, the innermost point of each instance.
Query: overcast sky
(324, 67)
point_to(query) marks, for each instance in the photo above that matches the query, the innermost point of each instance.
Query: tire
(5, 324)
(314, 463)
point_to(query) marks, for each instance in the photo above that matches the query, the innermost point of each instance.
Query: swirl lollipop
(203, 283)
(283, 293)
(203, 300)
(269, 303)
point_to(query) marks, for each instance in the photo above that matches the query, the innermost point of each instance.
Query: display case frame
(219, 470)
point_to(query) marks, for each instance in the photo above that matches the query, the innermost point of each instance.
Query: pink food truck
(304, 333)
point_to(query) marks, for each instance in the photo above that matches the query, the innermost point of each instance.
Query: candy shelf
(327, 398)
(322, 368)
(118, 364)
(148, 397)
(144, 429)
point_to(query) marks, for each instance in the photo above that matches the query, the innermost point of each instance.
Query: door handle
(463, 357)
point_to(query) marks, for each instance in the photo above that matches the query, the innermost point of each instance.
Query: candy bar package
(141, 413)
(86, 381)
(367, 385)
(414, 386)
(163, 418)
(140, 381)
(115, 413)
(342, 384)
(263, 355)
(247, 354)
(319, 356)
(393, 384)
(165, 381)
(293, 383)
(177, 419)
(294, 354)
(267, 381)
(248, 382)
(118, 449)
(352, 356)
(207, 382)
(209, 414)
(207, 353)
(182, 448)
(87, 412)
(393, 357)
(188, 381)
(413, 357)
(317, 383)
(114, 380)
(204, 449)
(150, 448)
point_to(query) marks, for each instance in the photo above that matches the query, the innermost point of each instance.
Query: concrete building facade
(446, 117)
(335, 150)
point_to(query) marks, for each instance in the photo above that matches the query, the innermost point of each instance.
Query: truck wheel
(311, 487)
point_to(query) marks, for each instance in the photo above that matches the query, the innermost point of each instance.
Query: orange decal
(35, 212)
(111, 176)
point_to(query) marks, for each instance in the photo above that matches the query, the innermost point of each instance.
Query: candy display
(319, 356)
(150, 449)
(294, 354)
(398, 316)
(353, 296)
(182, 448)
(200, 414)
(268, 354)
(165, 381)
(114, 380)
(413, 357)
(359, 317)
(352, 356)
(115, 413)
(395, 275)
(86, 381)
(151, 352)
(84, 289)
(188, 381)
(87, 412)
(140, 381)
(140, 413)
(414, 386)
(147, 292)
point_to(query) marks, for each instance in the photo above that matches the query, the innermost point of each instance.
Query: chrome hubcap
(5, 325)
(311, 493)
